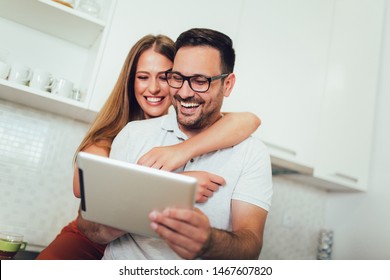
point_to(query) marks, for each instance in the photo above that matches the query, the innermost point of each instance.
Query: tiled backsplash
(36, 153)
(294, 221)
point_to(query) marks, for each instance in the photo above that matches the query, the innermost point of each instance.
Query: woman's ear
(229, 84)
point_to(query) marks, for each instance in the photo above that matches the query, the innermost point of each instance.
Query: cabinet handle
(280, 148)
(346, 177)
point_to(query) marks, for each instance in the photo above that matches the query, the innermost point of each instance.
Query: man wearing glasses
(230, 224)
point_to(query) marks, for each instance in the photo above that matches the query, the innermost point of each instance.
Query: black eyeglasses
(197, 83)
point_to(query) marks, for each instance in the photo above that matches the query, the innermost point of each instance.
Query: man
(230, 224)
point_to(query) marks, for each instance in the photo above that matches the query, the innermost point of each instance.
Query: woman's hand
(166, 158)
(208, 183)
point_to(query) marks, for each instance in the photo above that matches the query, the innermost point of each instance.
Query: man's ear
(229, 84)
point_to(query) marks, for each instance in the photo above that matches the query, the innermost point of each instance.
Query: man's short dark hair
(212, 38)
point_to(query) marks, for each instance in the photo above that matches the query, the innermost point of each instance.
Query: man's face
(196, 111)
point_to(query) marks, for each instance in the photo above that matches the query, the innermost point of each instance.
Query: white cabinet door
(346, 129)
(134, 19)
(281, 67)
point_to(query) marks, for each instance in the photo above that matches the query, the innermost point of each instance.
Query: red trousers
(72, 244)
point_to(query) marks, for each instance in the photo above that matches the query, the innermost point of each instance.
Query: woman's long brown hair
(121, 106)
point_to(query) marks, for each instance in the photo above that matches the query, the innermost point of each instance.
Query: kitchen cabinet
(282, 53)
(309, 69)
(64, 41)
(348, 106)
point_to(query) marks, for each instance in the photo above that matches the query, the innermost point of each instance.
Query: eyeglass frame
(188, 79)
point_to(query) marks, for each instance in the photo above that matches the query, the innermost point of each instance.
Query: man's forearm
(98, 233)
(243, 244)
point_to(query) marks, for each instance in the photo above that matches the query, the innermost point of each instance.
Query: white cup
(20, 74)
(4, 70)
(62, 87)
(41, 79)
(77, 94)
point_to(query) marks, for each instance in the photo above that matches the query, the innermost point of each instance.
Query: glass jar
(90, 7)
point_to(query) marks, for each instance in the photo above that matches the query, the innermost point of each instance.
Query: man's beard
(186, 121)
(202, 120)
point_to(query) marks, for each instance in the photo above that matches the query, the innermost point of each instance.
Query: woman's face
(151, 88)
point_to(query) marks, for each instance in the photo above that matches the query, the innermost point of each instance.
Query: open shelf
(45, 101)
(55, 19)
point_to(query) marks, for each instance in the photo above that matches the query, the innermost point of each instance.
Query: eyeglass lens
(197, 83)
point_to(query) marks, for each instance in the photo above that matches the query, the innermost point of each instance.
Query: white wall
(361, 222)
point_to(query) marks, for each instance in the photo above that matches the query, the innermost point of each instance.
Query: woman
(142, 92)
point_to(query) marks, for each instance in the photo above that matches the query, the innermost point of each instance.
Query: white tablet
(121, 195)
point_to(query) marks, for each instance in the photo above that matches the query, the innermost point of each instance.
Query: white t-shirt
(245, 167)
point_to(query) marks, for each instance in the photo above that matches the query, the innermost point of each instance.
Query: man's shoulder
(143, 127)
(253, 142)
(133, 136)
(145, 124)
(140, 128)
(252, 148)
